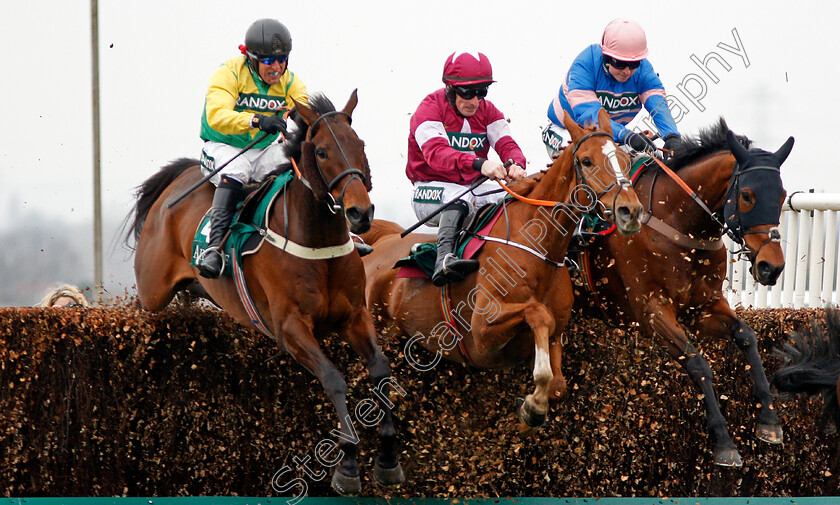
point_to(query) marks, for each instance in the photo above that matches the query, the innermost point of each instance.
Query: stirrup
(217, 250)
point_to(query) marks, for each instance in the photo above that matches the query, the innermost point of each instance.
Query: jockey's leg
(228, 194)
(448, 267)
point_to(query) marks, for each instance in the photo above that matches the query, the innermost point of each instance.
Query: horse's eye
(587, 162)
(747, 200)
(747, 196)
(321, 153)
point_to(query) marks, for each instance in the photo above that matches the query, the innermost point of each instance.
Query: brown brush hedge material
(103, 402)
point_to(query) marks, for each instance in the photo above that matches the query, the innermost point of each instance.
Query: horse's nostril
(624, 213)
(354, 214)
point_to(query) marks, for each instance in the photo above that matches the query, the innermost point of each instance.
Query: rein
(548, 203)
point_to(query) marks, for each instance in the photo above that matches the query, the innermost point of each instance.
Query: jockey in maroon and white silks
(443, 145)
(451, 134)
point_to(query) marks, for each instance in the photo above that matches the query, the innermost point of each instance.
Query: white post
(816, 260)
(802, 260)
(792, 240)
(776, 291)
(830, 257)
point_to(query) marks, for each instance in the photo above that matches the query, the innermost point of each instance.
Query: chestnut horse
(676, 266)
(812, 366)
(299, 299)
(514, 308)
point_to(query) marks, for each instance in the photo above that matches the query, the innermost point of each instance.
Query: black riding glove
(269, 124)
(672, 140)
(640, 142)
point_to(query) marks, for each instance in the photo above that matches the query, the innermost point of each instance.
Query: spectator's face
(64, 301)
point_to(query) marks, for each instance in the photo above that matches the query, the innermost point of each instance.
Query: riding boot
(448, 267)
(228, 194)
(362, 249)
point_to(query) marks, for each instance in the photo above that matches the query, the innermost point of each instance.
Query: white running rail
(808, 226)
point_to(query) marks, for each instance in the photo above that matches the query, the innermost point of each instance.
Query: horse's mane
(319, 103)
(708, 141)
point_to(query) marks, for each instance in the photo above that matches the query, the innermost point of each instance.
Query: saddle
(251, 217)
(420, 261)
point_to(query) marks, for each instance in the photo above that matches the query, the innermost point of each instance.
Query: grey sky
(156, 58)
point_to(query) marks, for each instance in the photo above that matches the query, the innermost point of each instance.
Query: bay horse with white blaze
(673, 270)
(516, 306)
(299, 298)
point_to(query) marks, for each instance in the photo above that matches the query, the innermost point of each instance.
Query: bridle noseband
(620, 179)
(336, 204)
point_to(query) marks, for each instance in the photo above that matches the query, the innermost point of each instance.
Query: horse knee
(744, 337)
(697, 366)
(334, 385)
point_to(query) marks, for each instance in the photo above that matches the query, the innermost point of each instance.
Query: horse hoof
(528, 415)
(728, 457)
(770, 433)
(388, 477)
(346, 486)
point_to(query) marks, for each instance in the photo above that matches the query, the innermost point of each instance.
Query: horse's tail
(812, 361)
(380, 228)
(148, 192)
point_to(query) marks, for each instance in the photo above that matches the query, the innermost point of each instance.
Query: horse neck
(310, 222)
(709, 178)
(558, 222)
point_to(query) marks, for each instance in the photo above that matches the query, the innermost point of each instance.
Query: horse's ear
(304, 111)
(604, 121)
(739, 151)
(351, 103)
(574, 129)
(784, 151)
(309, 172)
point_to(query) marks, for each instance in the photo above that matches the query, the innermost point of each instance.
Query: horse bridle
(737, 232)
(335, 205)
(620, 179)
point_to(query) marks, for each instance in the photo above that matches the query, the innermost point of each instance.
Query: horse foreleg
(360, 333)
(558, 383)
(721, 321)
(662, 321)
(534, 410)
(300, 342)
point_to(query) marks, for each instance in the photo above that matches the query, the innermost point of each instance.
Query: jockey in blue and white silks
(617, 76)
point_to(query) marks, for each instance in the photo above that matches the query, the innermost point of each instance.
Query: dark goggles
(621, 65)
(269, 60)
(470, 93)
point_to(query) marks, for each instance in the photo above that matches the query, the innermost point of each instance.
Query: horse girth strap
(305, 252)
(680, 238)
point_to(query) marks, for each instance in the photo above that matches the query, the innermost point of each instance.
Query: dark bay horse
(675, 267)
(515, 307)
(301, 298)
(812, 366)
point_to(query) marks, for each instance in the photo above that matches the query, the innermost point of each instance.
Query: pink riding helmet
(466, 68)
(624, 39)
